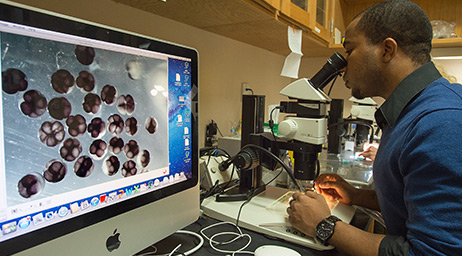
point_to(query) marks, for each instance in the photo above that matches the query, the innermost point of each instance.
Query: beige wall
(224, 63)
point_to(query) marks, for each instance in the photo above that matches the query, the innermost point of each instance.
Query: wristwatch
(325, 229)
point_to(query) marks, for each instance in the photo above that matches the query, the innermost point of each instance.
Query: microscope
(304, 131)
(263, 208)
(363, 110)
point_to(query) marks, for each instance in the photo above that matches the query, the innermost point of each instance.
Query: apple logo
(113, 242)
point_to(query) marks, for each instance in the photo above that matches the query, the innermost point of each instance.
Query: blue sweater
(418, 167)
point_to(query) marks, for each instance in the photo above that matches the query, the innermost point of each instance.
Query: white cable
(238, 236)
(193, 250)
(174, 250)
(198, 246)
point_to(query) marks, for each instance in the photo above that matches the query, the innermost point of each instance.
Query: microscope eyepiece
(332, 68)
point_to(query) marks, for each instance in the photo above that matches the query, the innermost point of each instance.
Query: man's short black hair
(402, 20)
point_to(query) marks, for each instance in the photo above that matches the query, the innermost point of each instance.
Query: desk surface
(168, 244)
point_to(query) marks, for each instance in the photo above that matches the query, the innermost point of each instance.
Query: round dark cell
(83, 166)
(55, 171)
(96, 127)
(77, 125)
(111, 165)
(85, 55)
(59, 108)
(62, 81)
(129, 168)
(13, 81)
(85, 81)
(70, 149)
(134, 69)
(151, 125)
(51, 133)
(131, 149)
(131, 126)
(116, 145)
(30, 185)
(126, 104)
(115, 124)
(91, 103)
(144, 158)
(34, 104)
(109, 94)
(98, 148)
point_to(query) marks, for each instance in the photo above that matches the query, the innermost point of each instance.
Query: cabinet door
(313, 14)
(321, 20)
(298, 11)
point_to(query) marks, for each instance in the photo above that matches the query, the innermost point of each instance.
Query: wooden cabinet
(447, 10)
(263, 23)
(312, 15)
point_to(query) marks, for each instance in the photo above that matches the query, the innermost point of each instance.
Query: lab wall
(224, 63)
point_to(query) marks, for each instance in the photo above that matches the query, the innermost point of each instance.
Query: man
(418, 166)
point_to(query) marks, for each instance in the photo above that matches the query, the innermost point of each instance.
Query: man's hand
(370, 150)
(306, 211)
(334, 187)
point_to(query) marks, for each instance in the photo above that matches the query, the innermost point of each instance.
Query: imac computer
(98, 136)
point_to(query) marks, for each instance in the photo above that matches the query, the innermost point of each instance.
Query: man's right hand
(333, 187)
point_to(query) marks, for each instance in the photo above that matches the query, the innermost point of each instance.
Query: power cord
(238, 235)
(191, 251)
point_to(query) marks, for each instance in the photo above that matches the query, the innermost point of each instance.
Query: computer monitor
(99, 138)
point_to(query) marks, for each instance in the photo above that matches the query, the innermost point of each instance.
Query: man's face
(362, 73)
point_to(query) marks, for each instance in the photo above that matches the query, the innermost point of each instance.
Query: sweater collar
(404, 93)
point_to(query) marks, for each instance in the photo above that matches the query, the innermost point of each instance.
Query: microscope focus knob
(288, 128)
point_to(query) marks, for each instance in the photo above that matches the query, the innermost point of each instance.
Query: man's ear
(389, 48)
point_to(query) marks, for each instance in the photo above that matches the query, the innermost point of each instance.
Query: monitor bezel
(59, 23)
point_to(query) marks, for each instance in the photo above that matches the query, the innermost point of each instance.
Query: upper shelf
(243, 20)
(255, 22)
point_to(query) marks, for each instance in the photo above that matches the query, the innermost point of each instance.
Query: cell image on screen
(76, 116)
(97, 125)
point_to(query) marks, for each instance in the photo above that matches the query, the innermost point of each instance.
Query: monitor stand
(266, 213)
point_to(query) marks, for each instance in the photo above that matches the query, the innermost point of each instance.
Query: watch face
(324, 231)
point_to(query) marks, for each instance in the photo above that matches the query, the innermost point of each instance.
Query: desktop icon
(74, 207)
(49, 215)
(178, 77)
(63, 211)
(112, 196)
(180, 118)
(113, 242)
(24, 222)
(38, 219)
(84, 205)
(103, 198)
(9, 228)
(94, 201)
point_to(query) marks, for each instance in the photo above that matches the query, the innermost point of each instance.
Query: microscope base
(238, 194)
(266, 213)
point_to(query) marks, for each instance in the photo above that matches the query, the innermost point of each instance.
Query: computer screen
(99, 148)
